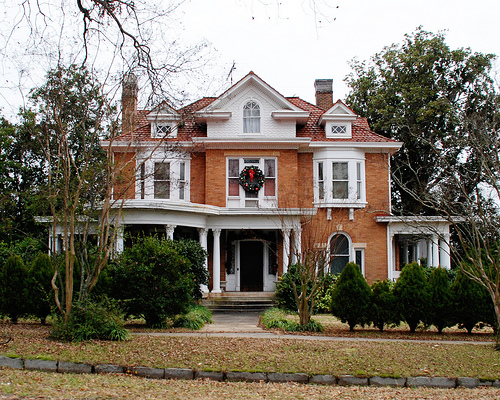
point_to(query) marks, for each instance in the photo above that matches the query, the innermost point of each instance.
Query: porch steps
(239, 301)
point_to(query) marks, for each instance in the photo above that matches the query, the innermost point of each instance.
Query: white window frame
(250, 120)
(243, 200)
(157, 126)
(179, 185)
(331, 128)
(356, 197)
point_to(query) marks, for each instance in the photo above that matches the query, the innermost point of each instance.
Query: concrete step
(239, 302)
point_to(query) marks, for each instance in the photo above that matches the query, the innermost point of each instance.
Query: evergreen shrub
(153, 281)
(384, 306)
(412, 294)
(438, 312)
(14, 288)
(100, 320)
(351, 298)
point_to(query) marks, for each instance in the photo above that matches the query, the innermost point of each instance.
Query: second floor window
(162, 180)
(251, 117)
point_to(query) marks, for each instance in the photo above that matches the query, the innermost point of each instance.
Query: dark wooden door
(251, 266)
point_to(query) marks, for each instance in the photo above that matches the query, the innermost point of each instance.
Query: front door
(251, 266)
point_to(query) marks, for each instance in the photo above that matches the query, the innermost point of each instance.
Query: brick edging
(235, 376)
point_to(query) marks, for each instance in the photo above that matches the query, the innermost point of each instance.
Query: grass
(393, 359)
(69, 386)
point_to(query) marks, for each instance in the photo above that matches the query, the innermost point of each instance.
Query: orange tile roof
(189, 128)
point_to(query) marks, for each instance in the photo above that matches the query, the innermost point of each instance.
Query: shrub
(351, 299)
(41, 298)
(412, 294)
(14, 288)
(438, 312)
(276, 318)
(194, 319)
(384, 306)
(101, 320)
(153, 281)
(285, 299)
(324, 297)
(192, 250)
(470, 302)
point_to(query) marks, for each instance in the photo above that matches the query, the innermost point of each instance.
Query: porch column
(429, 252)
(435, 251)
(202, 232)
(119, 239)
(297, 245)
(216, 262)
(417, 252)
(286, 248)
(444, 253)
(170, 231)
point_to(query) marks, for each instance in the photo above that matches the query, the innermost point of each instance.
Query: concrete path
(245, 325)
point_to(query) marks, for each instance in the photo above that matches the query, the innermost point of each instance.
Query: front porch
(425, 240)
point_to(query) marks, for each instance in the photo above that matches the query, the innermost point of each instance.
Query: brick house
(258, 178)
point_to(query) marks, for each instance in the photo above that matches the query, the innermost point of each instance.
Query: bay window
(339, 182)
(166, 179)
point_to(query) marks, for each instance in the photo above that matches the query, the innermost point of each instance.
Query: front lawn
(397, 358)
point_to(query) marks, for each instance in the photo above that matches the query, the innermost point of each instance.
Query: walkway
(245, 325)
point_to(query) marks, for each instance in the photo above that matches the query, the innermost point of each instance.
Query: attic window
(163, 130)
(251, 117)
(339, 129)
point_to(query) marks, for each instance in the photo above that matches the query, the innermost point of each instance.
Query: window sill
(340, 204)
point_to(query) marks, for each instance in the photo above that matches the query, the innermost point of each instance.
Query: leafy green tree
(440, 304)
(351, 298)
(153, 281)
(14, 292)
(41, 296)
(418, 92)
(412, 294)
(384, 305)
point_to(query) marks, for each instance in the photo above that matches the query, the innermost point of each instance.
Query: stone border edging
(235, 376)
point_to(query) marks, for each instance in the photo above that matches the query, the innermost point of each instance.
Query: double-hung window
(251, 117)
(237, 196)
(162, 180)
(339, 182)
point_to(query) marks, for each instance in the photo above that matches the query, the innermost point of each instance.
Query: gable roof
(309, 123)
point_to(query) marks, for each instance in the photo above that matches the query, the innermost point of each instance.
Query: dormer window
(163, 130)
(251, 117)
(339, 129)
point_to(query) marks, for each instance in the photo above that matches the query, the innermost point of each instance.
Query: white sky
(289, 48)
(285, 42)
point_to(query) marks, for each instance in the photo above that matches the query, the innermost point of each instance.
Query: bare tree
(467, 194)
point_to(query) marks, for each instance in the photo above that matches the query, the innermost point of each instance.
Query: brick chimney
(129, 103)
(324, 93)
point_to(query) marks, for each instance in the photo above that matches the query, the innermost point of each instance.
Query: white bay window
(163, 179)
(339, 182)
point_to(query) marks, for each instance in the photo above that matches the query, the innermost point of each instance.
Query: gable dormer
(164, 121)
(337, 121)
(251, 109)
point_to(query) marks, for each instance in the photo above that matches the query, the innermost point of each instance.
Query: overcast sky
(285, 42)
(288, 46)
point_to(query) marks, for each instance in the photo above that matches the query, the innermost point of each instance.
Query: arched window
(251, 117)
(339, 253)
